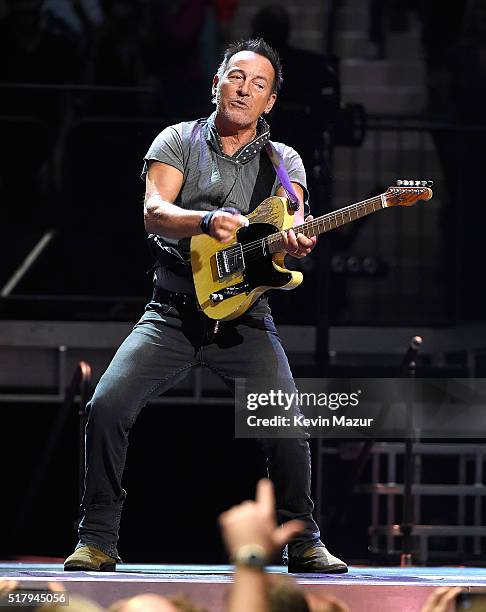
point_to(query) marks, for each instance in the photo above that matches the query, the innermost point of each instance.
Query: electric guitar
(229, 277)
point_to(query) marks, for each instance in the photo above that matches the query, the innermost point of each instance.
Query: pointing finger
(265, 495)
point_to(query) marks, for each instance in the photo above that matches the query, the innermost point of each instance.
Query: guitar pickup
(230, 261)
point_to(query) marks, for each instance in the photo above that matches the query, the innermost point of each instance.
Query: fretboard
(328, 222)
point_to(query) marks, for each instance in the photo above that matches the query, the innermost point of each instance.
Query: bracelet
(251, 555)
(206, 222)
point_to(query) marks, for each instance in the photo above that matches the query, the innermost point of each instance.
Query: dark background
(81, 99)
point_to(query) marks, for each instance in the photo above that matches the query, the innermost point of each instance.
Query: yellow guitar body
(274, 211)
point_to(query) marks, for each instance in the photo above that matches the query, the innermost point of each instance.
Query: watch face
(251, 556)
(254, 560)
(251, 559)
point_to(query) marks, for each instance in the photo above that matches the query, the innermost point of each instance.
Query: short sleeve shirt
(213, 179)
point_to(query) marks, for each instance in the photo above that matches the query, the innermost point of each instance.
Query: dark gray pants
(163, 346)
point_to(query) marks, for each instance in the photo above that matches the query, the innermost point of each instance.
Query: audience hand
(7, 586)
(253, 522)
(325, 603)
(440, 599)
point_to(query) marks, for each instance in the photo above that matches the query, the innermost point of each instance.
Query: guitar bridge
(227, 292)
(230, 261)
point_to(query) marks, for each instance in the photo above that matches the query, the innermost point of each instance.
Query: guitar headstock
(407, 193)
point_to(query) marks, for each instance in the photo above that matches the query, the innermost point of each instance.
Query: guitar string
(315, 223)
(257, 245)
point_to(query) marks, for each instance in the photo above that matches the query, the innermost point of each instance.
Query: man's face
(245, 90)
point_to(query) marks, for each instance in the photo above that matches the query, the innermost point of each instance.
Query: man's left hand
(298, 245)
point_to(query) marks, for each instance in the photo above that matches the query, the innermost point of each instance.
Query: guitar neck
(330, 221)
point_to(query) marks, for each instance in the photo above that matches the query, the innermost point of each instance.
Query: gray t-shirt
(212, 180)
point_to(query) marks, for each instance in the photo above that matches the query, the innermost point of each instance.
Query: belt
(176, 299)
(186, 304)
(180, 300)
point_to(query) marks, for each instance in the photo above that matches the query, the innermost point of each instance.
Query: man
(193, 171)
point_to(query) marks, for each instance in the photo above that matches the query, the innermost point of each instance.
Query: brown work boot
(89, 559)
(316, 560)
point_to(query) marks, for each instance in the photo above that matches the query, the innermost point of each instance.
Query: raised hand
(253, 522)
(440, 600)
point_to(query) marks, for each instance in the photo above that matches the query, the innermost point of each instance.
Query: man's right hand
(225, 224)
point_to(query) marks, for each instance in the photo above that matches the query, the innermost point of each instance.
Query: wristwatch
(251, 555)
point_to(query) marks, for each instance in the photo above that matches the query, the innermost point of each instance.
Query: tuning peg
(417, 183)
(399, 183)
(430, 183)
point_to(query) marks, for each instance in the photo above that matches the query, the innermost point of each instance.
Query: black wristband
(205, 223)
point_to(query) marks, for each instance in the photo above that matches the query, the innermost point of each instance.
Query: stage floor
(363, 588)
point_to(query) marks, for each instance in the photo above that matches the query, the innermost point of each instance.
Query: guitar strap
(263, 183)
(283, 175)
(270, 163)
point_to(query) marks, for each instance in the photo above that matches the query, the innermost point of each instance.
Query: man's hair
(285, 595)
(257, 45)
(182, 603)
